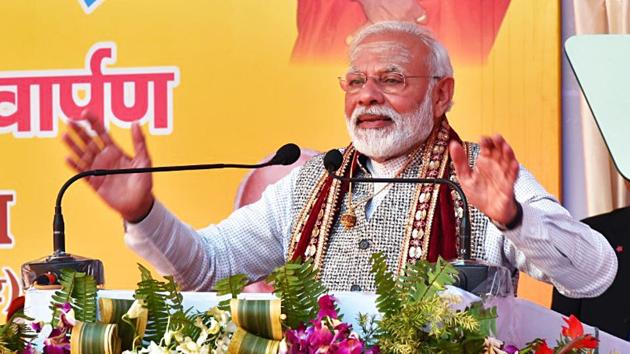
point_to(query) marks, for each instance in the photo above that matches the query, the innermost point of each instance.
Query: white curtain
(605, 188)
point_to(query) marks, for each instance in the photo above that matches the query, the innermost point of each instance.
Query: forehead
(390, 50)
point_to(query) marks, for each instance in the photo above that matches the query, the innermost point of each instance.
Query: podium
(519, 321)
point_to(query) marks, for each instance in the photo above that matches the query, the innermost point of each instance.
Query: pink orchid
(327, 307)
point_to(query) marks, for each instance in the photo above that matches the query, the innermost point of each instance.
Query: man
(398, 88)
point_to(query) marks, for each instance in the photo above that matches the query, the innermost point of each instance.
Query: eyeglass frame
(404, 77)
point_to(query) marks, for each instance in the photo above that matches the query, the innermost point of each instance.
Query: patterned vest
(344, 263)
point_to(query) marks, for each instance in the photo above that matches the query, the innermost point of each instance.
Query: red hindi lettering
(69, 107)
(14, 287)
(161, 100)
(55, 94)
(6, 200)
(20, 119)
(141, 82)
(140, 87)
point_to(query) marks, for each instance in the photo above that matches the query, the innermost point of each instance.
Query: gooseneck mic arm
(286, 155)
(333, 160)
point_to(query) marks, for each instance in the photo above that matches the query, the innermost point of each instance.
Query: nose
(370, 94)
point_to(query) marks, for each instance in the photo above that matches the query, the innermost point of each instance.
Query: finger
(496, 143)
(98, 127)
(507, 152)
(139, 142)
(73, 165)
(507, 156)
(80, 132)
(460, 160)
(85, 162)
(93, 148)
(486, 145)
(72, 145)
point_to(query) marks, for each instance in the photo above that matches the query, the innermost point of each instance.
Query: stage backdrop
(220, 81)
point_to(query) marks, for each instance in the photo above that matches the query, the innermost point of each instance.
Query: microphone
(474, 276)
(285, 155)
(333, 160)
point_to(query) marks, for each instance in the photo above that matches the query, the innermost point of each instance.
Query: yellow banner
(230, 81)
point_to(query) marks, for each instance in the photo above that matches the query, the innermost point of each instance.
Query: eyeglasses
(388, 82)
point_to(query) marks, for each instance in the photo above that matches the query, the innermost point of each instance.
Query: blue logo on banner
(89, 5)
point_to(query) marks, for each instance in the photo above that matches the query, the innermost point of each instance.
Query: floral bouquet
(416, 315)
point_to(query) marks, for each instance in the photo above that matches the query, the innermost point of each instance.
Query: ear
(442, 96)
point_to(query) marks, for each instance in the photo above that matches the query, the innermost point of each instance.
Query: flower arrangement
(416, 315)
(326, 334)
(573, 340)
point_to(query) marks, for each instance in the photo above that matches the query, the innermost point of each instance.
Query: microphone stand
(46, 270)
(474, 276)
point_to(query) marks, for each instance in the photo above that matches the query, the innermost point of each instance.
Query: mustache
(375, 110)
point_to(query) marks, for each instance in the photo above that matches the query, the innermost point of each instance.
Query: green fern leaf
(231, 285)
(296, 284)
(79, 290)
(155, 295)
(84, 297)
(14, 336)
(388, 300)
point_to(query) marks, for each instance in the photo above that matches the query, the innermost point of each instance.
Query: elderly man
(398, 88)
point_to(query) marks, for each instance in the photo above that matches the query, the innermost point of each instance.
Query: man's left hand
(489, 185)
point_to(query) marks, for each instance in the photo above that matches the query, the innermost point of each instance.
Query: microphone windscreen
(286, 155)
(333, 160)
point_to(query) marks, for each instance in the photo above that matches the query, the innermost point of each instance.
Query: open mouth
(373, 121)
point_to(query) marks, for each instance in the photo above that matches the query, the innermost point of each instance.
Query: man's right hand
(129, 194)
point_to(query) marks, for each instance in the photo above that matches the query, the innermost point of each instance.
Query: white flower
(231, 327)
(136, 308)
(190, 347)
(168, 336)
(155, 349)
(214, 327)
(221, 344)
(218, 315)
(283, 348)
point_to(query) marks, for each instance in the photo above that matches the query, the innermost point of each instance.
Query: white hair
(438, 62)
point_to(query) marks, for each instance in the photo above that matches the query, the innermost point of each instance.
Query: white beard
(409, 130)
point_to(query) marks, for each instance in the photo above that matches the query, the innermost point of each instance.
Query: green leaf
(296, 284)
(415, 319)
(79, 290)
(155, 295)
(14, 336)
(388, 300)
(486, 317)
(232, 285)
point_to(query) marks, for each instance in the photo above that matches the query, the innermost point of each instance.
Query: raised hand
(130, 195)
(489, 186)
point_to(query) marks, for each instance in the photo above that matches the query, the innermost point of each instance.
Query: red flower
(575, 332)
(587, 341)
(574, 329)
(542, 348)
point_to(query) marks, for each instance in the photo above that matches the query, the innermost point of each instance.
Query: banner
(230, 81)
